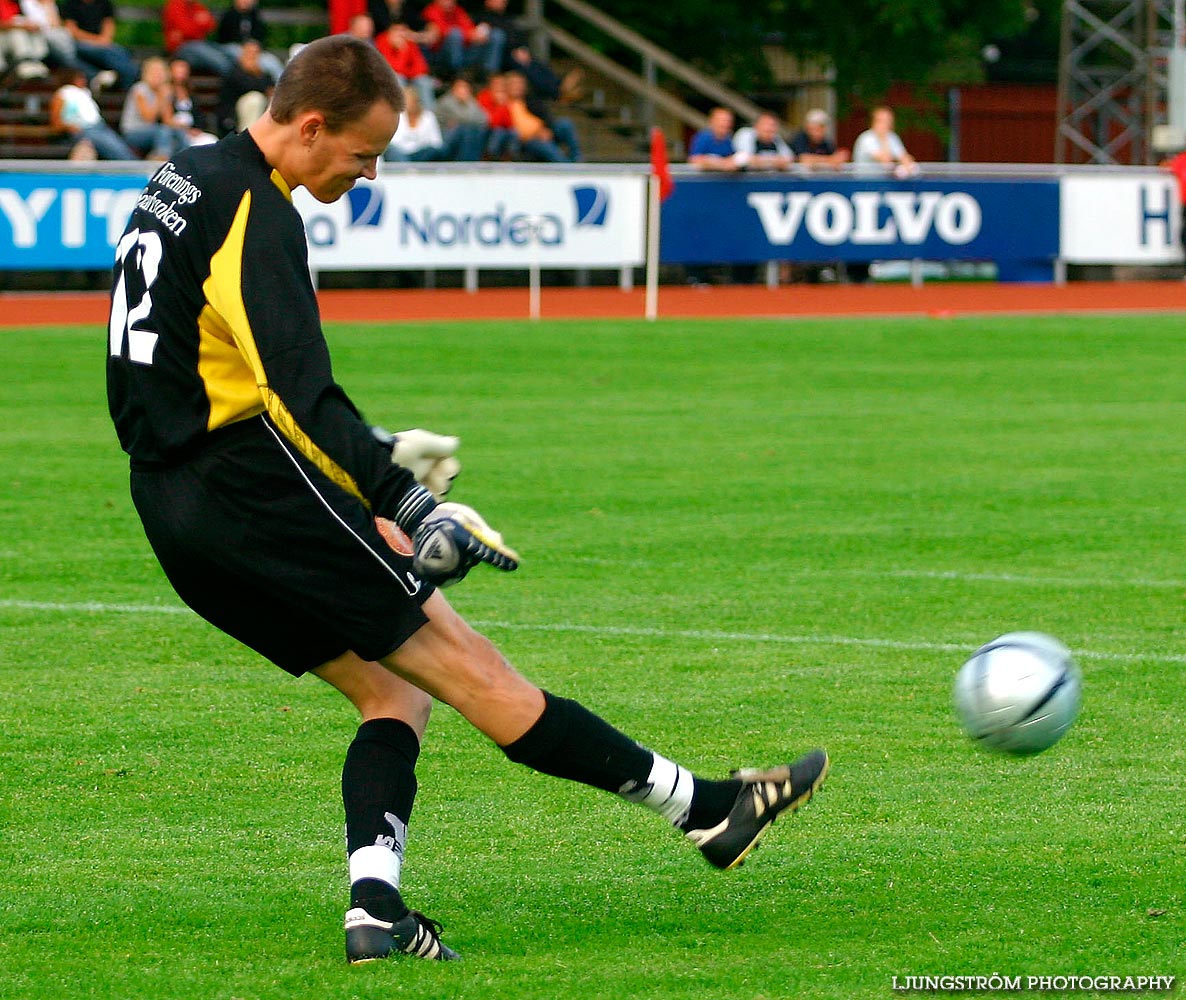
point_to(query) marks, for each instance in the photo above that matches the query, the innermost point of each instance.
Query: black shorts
(262, 545)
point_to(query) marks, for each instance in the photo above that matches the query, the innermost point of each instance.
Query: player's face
(338, 159)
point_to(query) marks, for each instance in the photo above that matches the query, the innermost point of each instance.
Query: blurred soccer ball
(1019, 693)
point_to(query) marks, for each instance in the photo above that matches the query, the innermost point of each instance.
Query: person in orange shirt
(540, 136)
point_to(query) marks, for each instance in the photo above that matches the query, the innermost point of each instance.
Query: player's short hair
(340, 76)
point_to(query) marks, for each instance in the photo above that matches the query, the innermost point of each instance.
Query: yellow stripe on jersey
(229, 381)
(282, 184)
(224, 295)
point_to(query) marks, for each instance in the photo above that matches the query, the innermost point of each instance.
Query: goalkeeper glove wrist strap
(415, 506)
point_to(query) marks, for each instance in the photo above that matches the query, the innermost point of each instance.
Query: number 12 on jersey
(138, 259)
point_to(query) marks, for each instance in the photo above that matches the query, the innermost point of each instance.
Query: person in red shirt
(397, 46)
(186, 23)
(495, 102)
(459, 42)
(341, 12)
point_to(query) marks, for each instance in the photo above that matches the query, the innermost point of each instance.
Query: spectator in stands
(509, 51)
(43, 14)
(712, 148)
(185, 110)
(186, 25)
(760, 147)
(494, 101)
(91, 24)
(341, 11)
(245, 91)
(812, 144)
(83, 151)
(362, 26)
(23, 49)
(73, 110)
(539, 135)
(458, 41)
(463, 122)
(880, 147)
(240, 22)
(405, 57)
(385, 13)
(504, 35)
(147, 119)
(542, 79)
(418, 136)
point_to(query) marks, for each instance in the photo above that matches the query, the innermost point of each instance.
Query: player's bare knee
(460, 666)
(478, 668)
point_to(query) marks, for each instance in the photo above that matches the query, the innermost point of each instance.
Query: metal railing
(652, 58)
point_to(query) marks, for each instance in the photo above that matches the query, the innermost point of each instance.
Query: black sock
(569, 741)
(711, 802)
(378, 791)
(379, 899)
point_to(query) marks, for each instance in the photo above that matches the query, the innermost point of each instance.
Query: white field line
(629, 631)
(1066, 582)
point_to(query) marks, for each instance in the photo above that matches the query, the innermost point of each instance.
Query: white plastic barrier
(487, 218)
(1126, 219)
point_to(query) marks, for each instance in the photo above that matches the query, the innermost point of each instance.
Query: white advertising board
(1111, 219)
(487, 219)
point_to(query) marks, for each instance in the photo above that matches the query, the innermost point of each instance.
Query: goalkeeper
(280, 516)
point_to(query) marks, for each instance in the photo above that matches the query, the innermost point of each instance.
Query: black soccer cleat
(369, 938)
(763, 795)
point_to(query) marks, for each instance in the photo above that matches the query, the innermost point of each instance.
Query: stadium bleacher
(25, 130)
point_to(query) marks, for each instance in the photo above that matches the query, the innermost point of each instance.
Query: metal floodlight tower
(1121, 81)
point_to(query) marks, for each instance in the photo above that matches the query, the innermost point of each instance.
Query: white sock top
(668, 790)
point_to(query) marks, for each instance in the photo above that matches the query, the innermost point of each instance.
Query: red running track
(940, 300)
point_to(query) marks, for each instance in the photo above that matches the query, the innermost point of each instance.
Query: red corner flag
(660, 168)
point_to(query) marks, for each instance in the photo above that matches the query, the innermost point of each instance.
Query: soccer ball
(1019, 693)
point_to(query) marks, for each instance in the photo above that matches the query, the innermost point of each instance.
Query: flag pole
(652, 296)
(533, 272)
(657, 190)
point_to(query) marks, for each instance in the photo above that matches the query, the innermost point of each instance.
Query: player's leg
(276, 584)
(378, 792)
(560, 737)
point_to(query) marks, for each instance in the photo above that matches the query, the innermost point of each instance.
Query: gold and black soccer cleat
(763, 796)
(369, 938)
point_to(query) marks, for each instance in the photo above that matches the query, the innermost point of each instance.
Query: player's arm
(431, 458)
(260, 286)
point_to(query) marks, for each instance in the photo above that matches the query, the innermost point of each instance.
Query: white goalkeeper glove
(428, 456)
(452, 540)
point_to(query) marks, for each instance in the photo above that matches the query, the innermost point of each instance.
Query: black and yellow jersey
(214, 320)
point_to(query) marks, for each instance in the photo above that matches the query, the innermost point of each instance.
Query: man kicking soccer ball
(262, 492)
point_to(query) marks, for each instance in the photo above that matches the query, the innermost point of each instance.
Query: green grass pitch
(740, 539)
